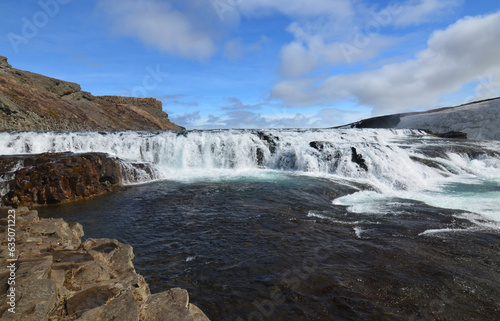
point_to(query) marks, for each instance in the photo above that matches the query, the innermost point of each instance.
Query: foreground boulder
(59, 278)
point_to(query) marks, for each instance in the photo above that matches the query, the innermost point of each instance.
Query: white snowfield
(479, 120)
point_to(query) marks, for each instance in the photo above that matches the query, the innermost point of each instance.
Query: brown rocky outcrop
(30, 101)
(59, 278)
(57, 178)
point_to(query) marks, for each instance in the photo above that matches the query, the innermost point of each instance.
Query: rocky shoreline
(57, 277)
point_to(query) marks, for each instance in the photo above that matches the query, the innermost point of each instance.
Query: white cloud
(464, 52)
(300, 58)
(233, 49)
(182, 32)
(357, 36)
(330, 117)
(353, 37)
(415, 12)
(323, 118)
(237, 104)
(297, 60)
(185, 120)
(411, 12)
(488, 87)
(157, 24)
(298, 8)
(242, 119)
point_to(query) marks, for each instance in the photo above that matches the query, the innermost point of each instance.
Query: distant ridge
(30, 101)
(478, 120)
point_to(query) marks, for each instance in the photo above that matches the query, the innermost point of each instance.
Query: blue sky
(264, 63)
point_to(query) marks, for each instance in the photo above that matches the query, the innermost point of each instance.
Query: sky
(264, 63)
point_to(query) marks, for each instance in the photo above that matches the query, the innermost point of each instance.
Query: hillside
(479, 120)
(30, 101)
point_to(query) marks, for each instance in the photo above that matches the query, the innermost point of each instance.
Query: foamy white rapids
(399, 163)
(471, 185)
(181, 155)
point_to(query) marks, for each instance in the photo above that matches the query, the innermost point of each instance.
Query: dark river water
(275, 247)
(300, 224)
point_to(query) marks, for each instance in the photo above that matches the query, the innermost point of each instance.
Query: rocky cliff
(477, 120)
(30, 101)
(54, 276)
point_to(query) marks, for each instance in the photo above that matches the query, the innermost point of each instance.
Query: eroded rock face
(41, 179)
(60, 278)
(3, 63)
(32, 102)
(57, 178)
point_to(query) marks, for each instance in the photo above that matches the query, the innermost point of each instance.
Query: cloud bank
(464, 52)
(327, 55)
(159, 25)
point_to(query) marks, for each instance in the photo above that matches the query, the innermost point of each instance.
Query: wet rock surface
(54, 178)
(60, 278)
(57, 178)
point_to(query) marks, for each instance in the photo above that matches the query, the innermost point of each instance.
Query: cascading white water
(388, 162)
(387, 154)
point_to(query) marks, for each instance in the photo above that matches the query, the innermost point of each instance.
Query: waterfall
(383, 159)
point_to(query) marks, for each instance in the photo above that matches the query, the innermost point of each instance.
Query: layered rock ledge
(59, 278)
(42, 179)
